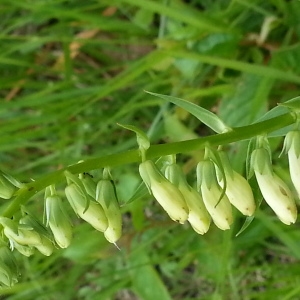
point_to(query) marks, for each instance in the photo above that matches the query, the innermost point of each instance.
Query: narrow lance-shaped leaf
(202, 114)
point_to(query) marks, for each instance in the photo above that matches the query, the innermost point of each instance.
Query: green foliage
(71, 70)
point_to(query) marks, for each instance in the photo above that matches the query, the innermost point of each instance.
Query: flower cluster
(219, 187)
(211, 201)
(93, 202)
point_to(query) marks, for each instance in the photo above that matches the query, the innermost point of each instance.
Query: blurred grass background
(70, 70)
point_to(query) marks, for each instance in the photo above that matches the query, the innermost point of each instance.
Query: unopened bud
(198, 216)
(87, 209)
(274, 190)
(167, 194)
(58, 221)
(22, 234)
(238, 189)
(219, 208)
(106, 196)
(45, 246)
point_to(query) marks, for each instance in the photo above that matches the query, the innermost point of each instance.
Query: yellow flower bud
(238, 189)
(239, 193)
(106, 196)
(198, 216)
(22, 234)
(167, 194)
(45, 246)
(58, 221)
(219, 208)
(87, 209)
(274, 190)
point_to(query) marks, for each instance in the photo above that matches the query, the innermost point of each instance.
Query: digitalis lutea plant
(98, 204)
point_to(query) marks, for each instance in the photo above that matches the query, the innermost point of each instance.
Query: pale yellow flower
(166, 193)
(275, 192)
(219, 208)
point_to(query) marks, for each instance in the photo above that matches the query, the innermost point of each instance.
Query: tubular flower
(87, 209)
(166, 193)
(238, 189)
(106, 196)
(21, 234)
(198, 216)
(57, 220)
(219, 208)
(45, 246)
(292, 147)
(274, 190)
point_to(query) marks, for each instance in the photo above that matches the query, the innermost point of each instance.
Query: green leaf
(202, 114)
(249, 219)
(247, 222)
(281, 109)
(145, 279)
(293, 104)
(139, 193)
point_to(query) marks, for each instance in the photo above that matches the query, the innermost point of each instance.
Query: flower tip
(223, 223)
(249, 211)
(289, 218)
(200, 230)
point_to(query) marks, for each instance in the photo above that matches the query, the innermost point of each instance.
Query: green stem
(131, 156)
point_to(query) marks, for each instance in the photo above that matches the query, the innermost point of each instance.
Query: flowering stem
(131, 156)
